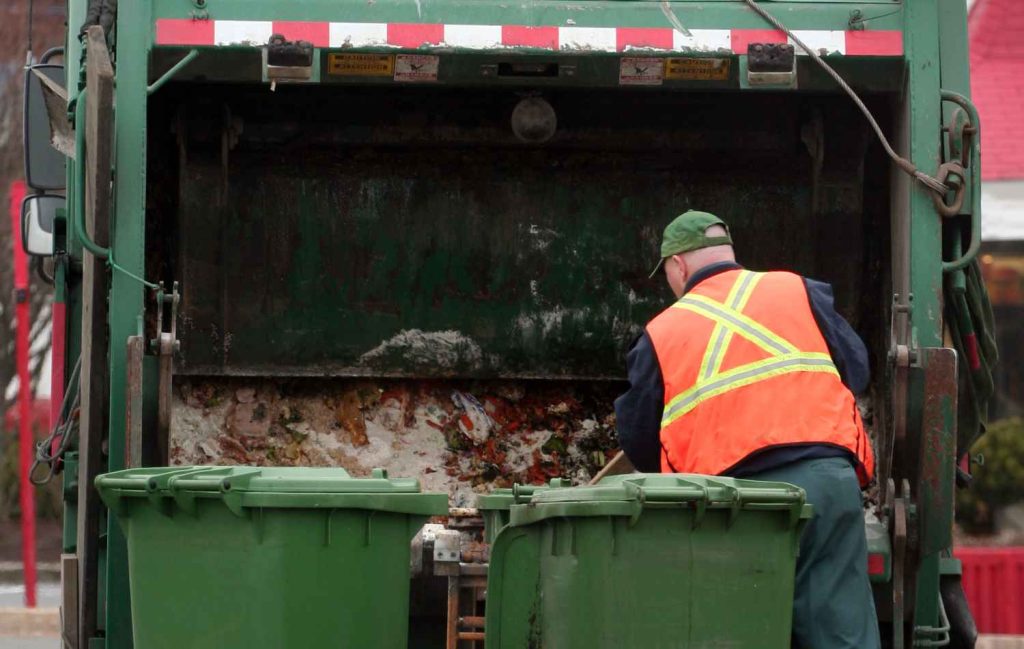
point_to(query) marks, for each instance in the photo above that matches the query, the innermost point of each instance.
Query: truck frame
(154, 245)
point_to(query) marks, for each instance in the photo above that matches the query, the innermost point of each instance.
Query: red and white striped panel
(189, 32)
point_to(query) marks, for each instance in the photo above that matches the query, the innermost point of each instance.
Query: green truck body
(469, 193)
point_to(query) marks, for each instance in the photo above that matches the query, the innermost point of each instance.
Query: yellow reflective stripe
(745, 325)
(745, 375)
(810, 357)
(737, 323)
(719, 335)
(746, 283)
(715, 344)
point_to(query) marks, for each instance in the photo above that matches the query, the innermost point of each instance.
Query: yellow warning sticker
(360, 65)
(697, 69)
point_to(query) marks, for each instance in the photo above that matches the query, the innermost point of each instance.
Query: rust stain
(938, 451)
(350, 416)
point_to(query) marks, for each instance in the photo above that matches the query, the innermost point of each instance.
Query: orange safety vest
(746, 368)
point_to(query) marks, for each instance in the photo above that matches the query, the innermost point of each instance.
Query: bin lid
(249, 486)
(505, 497)
(630, 494)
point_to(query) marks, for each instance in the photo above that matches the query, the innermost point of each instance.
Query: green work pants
(832, 605)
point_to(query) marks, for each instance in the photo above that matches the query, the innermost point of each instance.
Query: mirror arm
(83, 234)
(24, 225)
(50, 53)
(40, 269)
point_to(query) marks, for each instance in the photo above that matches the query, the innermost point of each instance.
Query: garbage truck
(416, 235)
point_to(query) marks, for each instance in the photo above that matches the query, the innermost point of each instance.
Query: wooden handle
(616, 466)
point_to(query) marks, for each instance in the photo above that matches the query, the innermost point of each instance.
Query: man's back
(746, 370)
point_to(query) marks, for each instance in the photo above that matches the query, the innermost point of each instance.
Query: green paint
(411, 234)
(63, 294)
(730, 14)
(924, 71)
(126, 294)
(69, 485)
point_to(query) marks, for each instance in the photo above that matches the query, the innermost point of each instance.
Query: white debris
(438, 348)
(480, 423)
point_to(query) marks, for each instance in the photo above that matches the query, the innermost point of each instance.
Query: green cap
(686, 233)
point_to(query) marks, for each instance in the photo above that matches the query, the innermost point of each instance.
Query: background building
(996, 30)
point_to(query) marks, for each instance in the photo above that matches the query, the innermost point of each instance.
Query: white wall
(1002, 210)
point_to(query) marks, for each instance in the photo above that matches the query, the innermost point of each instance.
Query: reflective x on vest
(729, 320)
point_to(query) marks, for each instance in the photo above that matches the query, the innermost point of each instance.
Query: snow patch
(443, 348)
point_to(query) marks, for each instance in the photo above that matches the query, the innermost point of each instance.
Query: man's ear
(682, 266)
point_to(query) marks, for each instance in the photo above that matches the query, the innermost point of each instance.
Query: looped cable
(908, 167)
(947, 169)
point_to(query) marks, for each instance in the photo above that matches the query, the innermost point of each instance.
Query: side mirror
(38, 213)
(44, 163)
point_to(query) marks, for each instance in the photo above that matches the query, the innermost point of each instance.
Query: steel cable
(907, 166)
(62, 430)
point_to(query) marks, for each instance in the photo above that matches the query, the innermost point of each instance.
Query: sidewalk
(22, 628)
(1000, 642)
(29, 622)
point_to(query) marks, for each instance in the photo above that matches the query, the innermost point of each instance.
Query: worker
(752, 375)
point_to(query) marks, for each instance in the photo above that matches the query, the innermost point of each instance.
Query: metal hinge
(164, 346)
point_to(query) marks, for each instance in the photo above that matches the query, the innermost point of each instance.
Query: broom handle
(616, 466)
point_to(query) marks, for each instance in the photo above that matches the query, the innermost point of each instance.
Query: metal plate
(373, 231)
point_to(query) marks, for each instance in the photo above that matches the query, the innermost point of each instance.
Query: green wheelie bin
(494, 507)
(249, 557)
(653, 561)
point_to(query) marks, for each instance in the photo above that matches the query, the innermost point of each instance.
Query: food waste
(461, 437)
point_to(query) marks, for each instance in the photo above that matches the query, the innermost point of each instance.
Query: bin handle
(162, 481)
(184, 487)
(517, 493)
(222, 480)
(529, 513)
(241, 479)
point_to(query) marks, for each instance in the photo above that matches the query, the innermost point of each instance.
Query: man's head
(692, 241)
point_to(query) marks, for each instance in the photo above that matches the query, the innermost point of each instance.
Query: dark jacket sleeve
(638, 411)
(847, 349)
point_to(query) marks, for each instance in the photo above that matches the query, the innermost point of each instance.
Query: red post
(26, 440)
